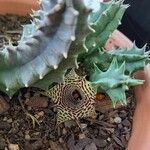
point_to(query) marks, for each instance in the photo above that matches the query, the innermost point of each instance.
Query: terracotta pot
(18, 7)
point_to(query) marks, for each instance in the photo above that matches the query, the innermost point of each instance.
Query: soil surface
(27, 121)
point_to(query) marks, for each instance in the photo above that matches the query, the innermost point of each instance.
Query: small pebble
(13, 147)
(126, 122)
(91, 146)
(61, 140)
(109, 139)
(40, 114)
(27, 137)
(10, 120)
(82, 136)
(36, 133)
(83, 125)
(117, 120)
(64, 131)
(5, 119)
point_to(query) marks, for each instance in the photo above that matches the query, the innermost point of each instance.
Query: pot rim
(18, 7)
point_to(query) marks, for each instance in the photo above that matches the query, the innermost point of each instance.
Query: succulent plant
(135, 58)
(63, 34)
(113, 82)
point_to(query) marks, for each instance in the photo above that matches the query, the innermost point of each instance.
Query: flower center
(76, 97)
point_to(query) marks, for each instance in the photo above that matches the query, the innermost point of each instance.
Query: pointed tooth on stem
(119, 22)
(125, 102)
(40, 77)
(73, 38)
(26, 85)
(104, 13)
(65, 55)
(55, 67)
(94, 45)
(75, 12)
(85, 48)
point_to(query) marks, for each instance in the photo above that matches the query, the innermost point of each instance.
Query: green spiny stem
(76, 47)
(134, 58)
(49, 46)
(113, 82)
(103, 23)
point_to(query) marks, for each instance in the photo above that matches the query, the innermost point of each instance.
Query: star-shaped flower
(74, 98)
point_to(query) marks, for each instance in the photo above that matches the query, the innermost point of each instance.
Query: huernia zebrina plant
(67, 35)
